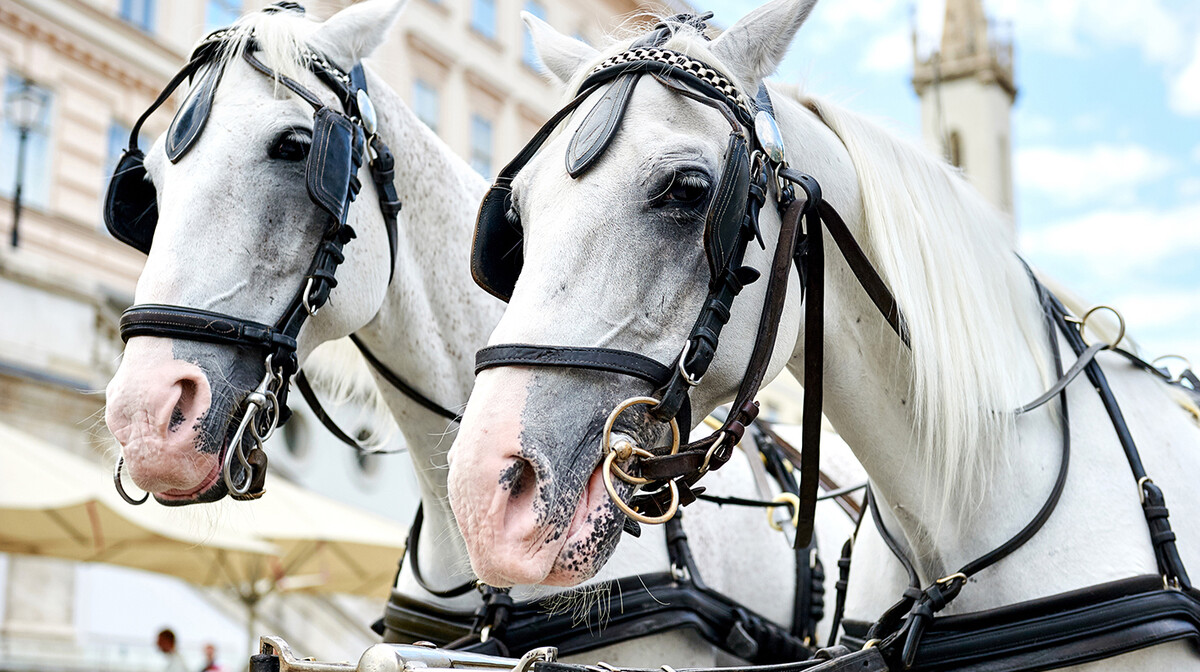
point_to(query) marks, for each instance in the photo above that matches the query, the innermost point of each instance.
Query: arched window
(954, 150)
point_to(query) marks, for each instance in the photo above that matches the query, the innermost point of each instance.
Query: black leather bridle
(754, 159)
(341, 139)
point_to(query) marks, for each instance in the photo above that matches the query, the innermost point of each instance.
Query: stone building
(967, 89)
(92, 66)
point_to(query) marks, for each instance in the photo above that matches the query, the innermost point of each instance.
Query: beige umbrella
(325, 545)
(58, 504)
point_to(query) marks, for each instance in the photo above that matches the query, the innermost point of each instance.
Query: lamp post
(24, 110)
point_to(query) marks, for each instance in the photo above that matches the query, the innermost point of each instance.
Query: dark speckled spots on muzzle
(564, 415)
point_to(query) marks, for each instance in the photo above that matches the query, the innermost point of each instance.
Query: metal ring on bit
(624, 450)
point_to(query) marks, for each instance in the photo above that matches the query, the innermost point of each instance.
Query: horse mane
(280, 36)
(949, 258)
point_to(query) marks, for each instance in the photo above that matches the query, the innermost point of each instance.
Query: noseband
(340, 140)
(755, 163)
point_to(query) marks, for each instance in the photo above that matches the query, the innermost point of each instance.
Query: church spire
(967, 90)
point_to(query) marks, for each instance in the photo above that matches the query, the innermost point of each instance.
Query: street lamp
(23, 108)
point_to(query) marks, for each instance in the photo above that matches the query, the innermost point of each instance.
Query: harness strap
(397, 382)
(411, 549)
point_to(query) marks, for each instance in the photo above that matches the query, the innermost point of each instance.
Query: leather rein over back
(754, 160)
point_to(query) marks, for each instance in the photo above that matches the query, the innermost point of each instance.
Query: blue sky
(1106, 133)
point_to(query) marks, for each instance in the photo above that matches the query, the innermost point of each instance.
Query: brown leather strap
(867, 276)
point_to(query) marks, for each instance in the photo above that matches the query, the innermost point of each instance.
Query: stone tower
(967, 91)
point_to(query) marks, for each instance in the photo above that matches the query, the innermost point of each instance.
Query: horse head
(617, 254)
(237, 232)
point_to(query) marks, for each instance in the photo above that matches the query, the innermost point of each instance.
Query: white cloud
(1158, 309)
(1116, 242)
(1099, 171)
(889, 53)
(1189, 187)
(1184, 96)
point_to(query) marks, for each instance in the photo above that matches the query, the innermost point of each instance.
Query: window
(481, 145)
(425, 103)
(221, 13)
(483, 17)
(138, 12)
(35, 189)
(954, 150)
(529, 54)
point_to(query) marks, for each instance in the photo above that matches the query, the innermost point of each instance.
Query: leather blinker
(193, 115)
(599, 126)
(131, 203)
(332, 161)
(723, 223)
(496, 253)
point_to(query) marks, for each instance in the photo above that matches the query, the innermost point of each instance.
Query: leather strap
(397, 382)
(314, 402)
(411, 549)
(194, 324)
(597, 359)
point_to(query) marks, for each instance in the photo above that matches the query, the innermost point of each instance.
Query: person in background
(210, 659)
(166, 644)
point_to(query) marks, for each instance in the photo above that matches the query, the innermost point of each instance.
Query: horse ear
(355, 32)
(753, 47)
(563, 56)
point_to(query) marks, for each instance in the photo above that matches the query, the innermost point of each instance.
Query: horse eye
(290, 147)
(684, 190)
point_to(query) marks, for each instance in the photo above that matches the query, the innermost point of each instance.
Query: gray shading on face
(561, 449)
(232, 372)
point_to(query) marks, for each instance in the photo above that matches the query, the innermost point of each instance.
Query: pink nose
(155, 406)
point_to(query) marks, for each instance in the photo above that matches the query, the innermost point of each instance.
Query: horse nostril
(519, 478)
(185, 405)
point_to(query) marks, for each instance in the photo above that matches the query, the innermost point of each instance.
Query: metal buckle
(957, 576)
(1141, 486)
(687, 377)
(304, 299)
(1187, 365)
(784, 498)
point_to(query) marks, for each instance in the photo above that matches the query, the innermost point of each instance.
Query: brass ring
(606, 437)
(630, 511)
(1120, 325)
(784, 498)
(1187, 365)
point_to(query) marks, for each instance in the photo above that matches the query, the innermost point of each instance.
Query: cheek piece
(341, 138)
(754, 164)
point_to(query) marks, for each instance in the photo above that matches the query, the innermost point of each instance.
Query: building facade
(93, 66)
(967, 90)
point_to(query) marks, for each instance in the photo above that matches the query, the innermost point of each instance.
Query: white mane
(949, 258)
(280, 37)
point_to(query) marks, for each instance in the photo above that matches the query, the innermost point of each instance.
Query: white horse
(614, 259)
(235, 234)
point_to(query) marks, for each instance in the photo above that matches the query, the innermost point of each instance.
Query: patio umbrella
(55, 503)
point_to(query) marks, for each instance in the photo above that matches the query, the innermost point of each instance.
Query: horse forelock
(979, 345)
(281, 39)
